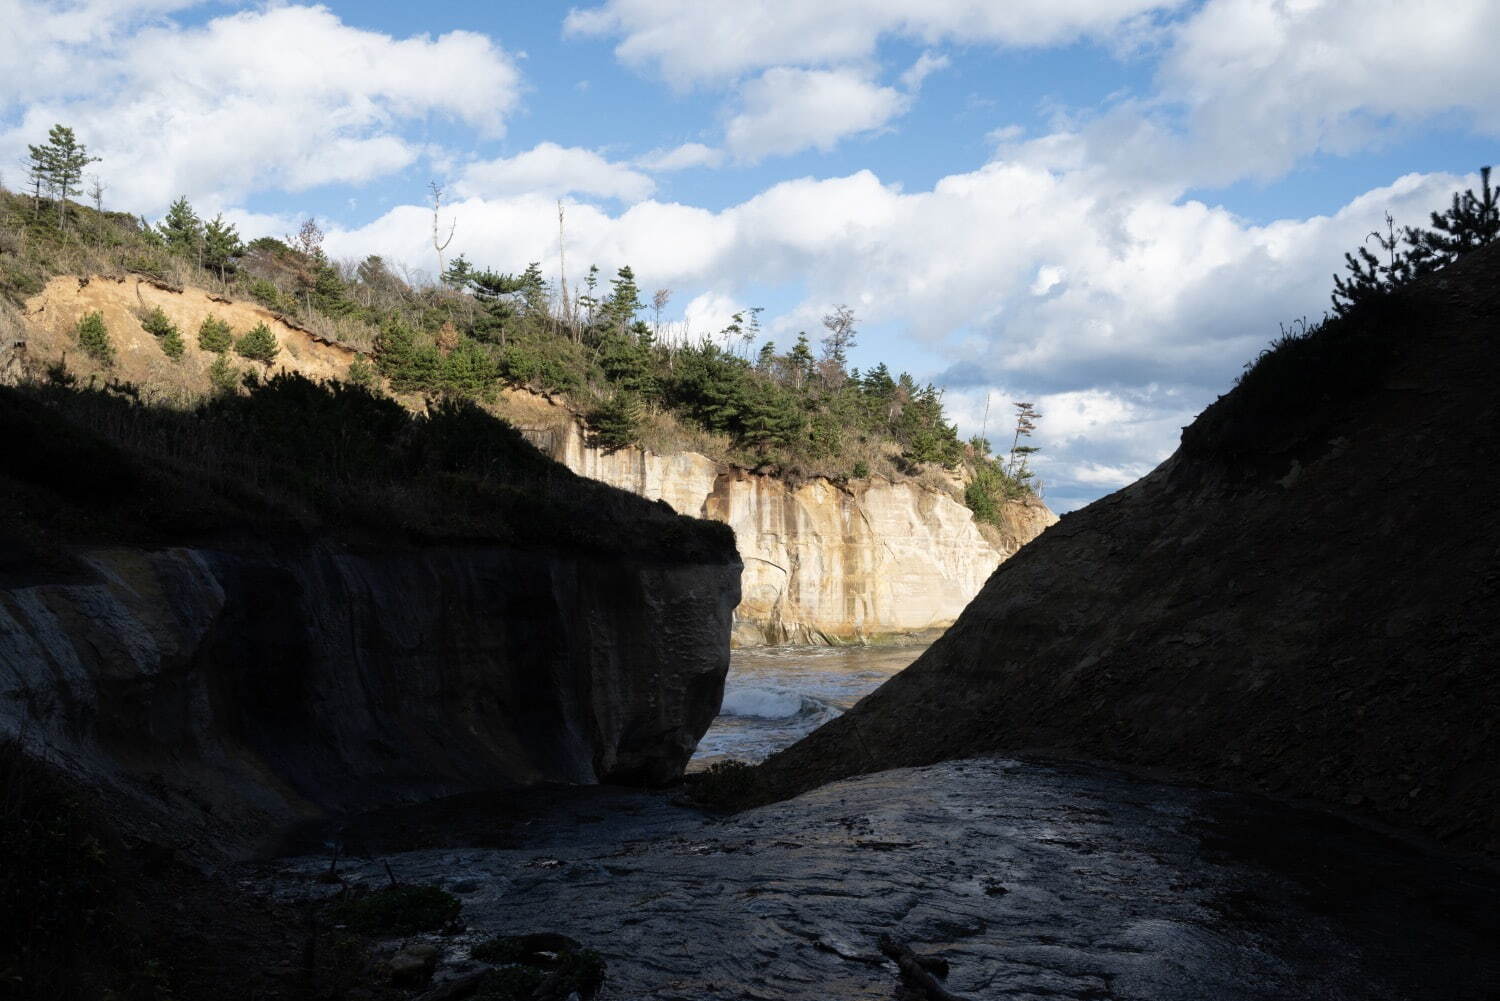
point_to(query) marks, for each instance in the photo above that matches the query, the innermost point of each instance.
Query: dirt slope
(52, 316)
(1303, 600)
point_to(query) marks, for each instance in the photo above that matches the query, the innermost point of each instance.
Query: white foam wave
(763, 703)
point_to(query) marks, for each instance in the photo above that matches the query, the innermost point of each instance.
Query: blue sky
(1104, 206)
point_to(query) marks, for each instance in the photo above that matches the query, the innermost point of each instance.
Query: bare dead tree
(658, 303)
(96, 192)
(439, 243)
(562, 268)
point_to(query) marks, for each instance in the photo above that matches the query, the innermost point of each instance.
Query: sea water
(774, 696)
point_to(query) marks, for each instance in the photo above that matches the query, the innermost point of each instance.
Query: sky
(1104, 207)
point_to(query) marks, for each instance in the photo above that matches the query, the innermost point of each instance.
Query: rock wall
(225, 695)
(824, 562)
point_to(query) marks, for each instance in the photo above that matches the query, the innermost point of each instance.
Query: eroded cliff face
(223, 695)
(824, 562)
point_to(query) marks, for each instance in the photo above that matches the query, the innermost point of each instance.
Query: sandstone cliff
(1303, 600)
(824, 562)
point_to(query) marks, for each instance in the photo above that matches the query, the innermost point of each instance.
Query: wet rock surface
(1030, 880)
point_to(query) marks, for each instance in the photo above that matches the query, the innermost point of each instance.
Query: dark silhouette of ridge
(1304, 600)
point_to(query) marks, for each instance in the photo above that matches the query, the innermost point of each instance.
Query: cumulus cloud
(787, 110)
(285, 97)
(553, 170)
(1248, 88)
(926, 65)
(1143, 310)
(682, 157)
(690, 42)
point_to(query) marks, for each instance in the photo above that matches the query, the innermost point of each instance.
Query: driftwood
(917, 971)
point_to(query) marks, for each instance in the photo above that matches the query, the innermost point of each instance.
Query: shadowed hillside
(1302, 600)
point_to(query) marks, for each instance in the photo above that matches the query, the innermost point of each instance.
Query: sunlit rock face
(233, 692)
(824, 562)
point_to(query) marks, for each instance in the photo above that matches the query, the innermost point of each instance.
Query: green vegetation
(93, 337)
(157, 324)
(724, 786)
(214, 335)
(398, 910)
(731, 393)
(258, 345)
(223, 376)
(362, 373)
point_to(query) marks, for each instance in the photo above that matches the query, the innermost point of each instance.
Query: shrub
(861, 470)
(159, 325)
(214, 335)
(93, 337)
(398, 910)
(615, 423)
(172, 345)
(258, 345)
(362, 373)
(223, 375)
(725, 785)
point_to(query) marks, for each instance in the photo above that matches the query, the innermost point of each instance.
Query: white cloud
(682, 157)
(1154, 308)
(926, 65)
(709, 313)
(285, 97)
(689, 41)
(553, 170)
(786, 110)
(1248, 88)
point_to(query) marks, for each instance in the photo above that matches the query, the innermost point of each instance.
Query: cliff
(824, 562)
(1302, 601)
(306, 601)
(223, 695)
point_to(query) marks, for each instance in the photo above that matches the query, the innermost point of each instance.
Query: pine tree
(616, 422)
(60, 165)
(624, 300)
(221, 245)
(456, 274)
(1027, 417)
(214, 335)
(182, 230)
(93, 337)
(1470, 223)
(258, 345)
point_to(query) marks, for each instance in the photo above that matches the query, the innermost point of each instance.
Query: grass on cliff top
(292, 459)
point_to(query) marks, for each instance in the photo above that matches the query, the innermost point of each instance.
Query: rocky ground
(1029, 880)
